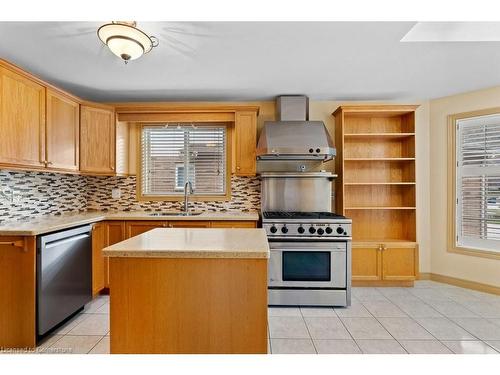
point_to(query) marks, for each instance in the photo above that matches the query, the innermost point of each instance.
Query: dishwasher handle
(77, 237)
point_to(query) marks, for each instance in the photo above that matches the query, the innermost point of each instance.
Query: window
(171, 155)
(477, 183)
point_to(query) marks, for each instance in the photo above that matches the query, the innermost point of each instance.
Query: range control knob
(273, 229)
(312, 230)
(328, 230)
(301, 230)
(340, 230)
(318, 150)
(311, 150)
(320, 231)
(284, 230)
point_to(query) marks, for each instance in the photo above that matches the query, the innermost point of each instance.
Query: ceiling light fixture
(125, 40)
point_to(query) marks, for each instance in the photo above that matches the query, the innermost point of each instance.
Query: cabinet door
(234, 224)
(97, 140)
(366, 262)
(246, 143)
(399, 262)
(63, 132)
(134, 228)
(189, 224)
(115, 233)
(22, 120)
(99, 240)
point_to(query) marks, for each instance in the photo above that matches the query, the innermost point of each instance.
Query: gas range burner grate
(300, 215)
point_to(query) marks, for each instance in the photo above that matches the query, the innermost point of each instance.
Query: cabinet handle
(112, 168)
(380, 247)
(12, 243)
(238, 168)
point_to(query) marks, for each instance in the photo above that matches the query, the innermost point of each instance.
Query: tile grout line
(350, 334)
(309, 332)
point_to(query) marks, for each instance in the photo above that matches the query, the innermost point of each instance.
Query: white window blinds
(175, 154)
(478, 182)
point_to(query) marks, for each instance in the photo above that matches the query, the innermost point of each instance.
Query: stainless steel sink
(175, 213)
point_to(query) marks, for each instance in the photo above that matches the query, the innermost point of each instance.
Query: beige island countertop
(248, 243)
(51, 223)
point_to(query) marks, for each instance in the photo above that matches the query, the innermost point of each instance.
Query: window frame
(180, 197)
(452, 187)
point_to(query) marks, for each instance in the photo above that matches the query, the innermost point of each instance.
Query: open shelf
(379, 123)
(380, 208)
(377, 179)
(379, 171)
(380, 224)
(379, 135)
(378, 183)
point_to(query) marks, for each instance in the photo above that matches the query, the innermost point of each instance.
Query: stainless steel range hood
(293, 136)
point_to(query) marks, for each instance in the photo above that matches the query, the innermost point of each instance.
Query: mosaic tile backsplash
(41, 193)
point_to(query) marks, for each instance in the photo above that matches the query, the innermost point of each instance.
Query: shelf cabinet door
(246, 143)
(399, 262)
(22, 121)
(99, 240)
(134, 228)
(63, 132)
(366, 262)
(97, 140)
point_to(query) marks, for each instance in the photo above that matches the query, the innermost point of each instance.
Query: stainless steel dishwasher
(64, 275)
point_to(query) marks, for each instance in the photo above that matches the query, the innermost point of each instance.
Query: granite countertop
(194, 243)
(51, 223)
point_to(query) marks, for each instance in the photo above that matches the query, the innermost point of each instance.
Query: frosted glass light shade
(125, 40)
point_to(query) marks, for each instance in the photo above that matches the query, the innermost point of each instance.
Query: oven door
(312, 264)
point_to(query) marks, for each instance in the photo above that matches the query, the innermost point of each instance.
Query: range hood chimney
(293, 136)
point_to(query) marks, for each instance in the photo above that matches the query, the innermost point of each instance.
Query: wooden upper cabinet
(97, 140)
(22, 120)
(245, 143)
(63, 130)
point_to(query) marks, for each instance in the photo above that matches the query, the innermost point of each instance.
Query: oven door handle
(301, 246)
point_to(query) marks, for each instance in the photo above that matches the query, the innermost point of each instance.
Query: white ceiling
(253, 61)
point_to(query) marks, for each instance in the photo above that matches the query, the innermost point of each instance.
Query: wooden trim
(175, 107)
(486, 288)
(382, 283)
(18, 70)
(178, 198)
(451, 186)
(177, 117)
(397, 108)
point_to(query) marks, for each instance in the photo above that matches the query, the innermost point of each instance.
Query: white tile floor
(429, 318)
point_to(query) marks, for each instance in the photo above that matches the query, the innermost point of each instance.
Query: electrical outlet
(116, 193)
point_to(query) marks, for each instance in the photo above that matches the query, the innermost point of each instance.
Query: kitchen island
(189, 290)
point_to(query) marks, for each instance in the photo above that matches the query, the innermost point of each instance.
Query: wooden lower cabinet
(234, 224)
(99, 241)
(17, 292)
(189, 224)
(134, 228)
(384, 262)
(108, 233)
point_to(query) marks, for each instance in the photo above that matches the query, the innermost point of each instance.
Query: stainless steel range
(310, 262)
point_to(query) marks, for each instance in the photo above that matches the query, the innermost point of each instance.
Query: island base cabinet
(188, 306)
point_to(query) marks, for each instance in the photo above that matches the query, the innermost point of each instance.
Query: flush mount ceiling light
(125, 40)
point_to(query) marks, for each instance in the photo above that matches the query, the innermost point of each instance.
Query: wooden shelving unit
(376, 189)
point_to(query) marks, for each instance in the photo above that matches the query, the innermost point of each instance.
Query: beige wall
(466, 267)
